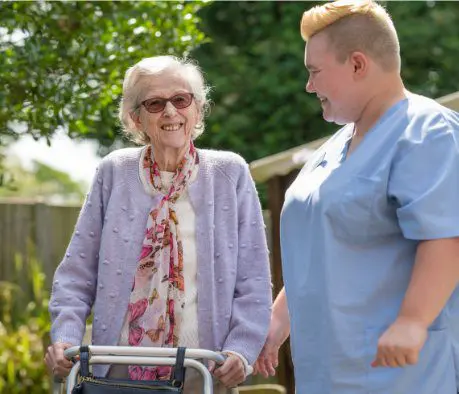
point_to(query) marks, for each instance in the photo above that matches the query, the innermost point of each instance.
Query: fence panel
(28, 227)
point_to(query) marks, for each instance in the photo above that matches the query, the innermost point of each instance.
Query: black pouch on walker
(94, 385)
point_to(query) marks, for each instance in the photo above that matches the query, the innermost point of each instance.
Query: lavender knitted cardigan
(233, 279)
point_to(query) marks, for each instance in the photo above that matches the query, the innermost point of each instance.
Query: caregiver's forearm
(280, 317)
(434, 278)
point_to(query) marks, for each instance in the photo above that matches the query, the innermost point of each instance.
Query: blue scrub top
(349, 232)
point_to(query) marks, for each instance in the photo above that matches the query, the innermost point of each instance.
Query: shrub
(24, 330)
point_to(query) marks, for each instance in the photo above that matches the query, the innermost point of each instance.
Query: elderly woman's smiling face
(170, 125)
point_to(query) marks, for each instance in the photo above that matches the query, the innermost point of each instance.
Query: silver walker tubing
(57, 385)
(145, 351)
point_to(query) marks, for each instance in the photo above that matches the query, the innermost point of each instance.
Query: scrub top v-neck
(350, 227)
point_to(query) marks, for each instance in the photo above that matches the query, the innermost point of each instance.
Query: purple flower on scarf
(135, 372)
(163, 373)
(170, 309)
(149, 234)
(137, 309)
(136, 335)
(171, 317)
(150, 374)
(146, 251)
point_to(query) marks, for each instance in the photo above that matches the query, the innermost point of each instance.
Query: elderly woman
(169, 248)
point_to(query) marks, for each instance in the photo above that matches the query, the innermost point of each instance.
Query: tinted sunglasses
(157, 104)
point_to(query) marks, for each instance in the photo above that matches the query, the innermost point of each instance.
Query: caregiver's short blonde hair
(358, 25)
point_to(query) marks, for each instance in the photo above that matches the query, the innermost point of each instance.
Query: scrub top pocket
(351, 211)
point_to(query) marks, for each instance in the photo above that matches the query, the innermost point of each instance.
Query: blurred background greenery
(24, 328)
(61, 70)
(63, 64)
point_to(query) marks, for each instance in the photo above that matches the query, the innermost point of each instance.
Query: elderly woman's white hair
(154, 67)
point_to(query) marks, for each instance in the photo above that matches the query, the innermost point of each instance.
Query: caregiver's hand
(401, 343)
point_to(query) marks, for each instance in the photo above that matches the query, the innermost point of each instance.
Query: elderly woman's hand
(231, 372)
(55, 360)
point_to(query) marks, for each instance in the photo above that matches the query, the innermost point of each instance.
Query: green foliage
(255, 63)
(63, 62)
(3, 173)
(429, 40)
(42, 181)
(64, 184)
(24, 329)
(6, 181)
(66, 67)
(256, 68)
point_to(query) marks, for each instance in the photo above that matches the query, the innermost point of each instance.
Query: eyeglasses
(157, 104)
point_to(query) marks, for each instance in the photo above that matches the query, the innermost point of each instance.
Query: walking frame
(128, 355)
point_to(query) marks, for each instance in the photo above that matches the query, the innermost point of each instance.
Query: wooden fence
(33, 228)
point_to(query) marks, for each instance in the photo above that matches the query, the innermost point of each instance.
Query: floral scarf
(158, 287)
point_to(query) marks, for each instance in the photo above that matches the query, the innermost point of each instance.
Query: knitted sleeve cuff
(247, 368)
